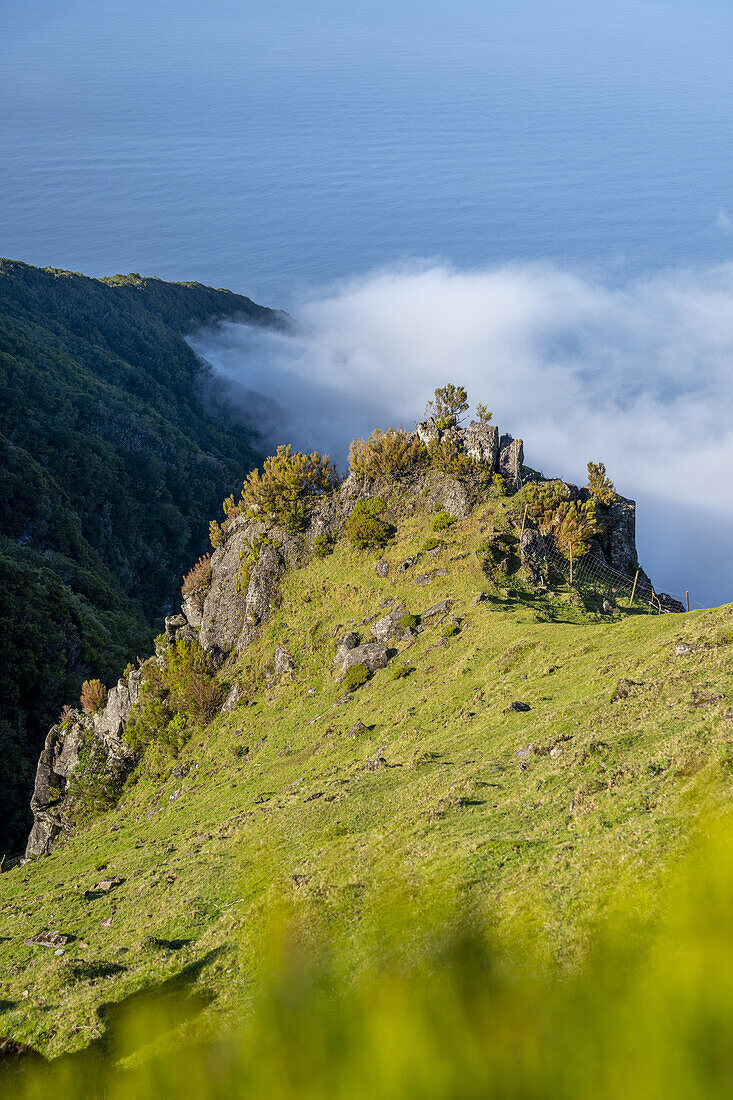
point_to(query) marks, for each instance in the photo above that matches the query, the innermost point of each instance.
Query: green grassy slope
(546, 820)
(110, 468)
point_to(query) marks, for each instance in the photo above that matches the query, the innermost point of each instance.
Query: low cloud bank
(640, 377)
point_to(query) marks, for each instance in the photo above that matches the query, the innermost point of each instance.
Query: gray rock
(358, 729)
(371, 654)
(108, 754)
(225, 603)
(427, 432)
(406, 564)
(283, 661)
(233, 698)
(386, 627)
(193, 608)
(534, 557)
(511, 459)
(263, 583)
(684, 649)
(437, 610)
(47, 939)
(519, 707)
(110, 722)
(382, 568)
(423, 579)
(620, 536)
(481, 598)
(172, 624)
(455, 499)
(481, 443)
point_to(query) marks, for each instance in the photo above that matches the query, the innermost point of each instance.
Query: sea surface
(271, 147)
(274, 148)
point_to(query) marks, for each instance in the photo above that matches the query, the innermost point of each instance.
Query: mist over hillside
(638, 376)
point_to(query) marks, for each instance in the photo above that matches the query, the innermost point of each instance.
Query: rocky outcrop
(100, 734)
(481, 443)
(224, 605)
(226, 613)
(263, 581)
(534, 558)
(619, 539)
(511, 459)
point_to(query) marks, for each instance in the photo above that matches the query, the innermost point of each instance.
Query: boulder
(455, 499)
(481, 443)
(371, 654)
(173, 623)
(386, 627)
(620, 536)
(47, 939)
(427, 432)
(511, 459)
(437, 610)
(382, 568)
(193, 609)
(534, 557)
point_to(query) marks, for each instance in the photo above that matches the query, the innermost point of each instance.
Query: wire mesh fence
(597, 581)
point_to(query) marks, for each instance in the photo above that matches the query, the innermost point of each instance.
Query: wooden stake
(633, 590)
(687, 597)
(524, 519)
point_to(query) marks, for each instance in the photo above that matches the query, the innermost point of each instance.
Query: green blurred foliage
(409, 995)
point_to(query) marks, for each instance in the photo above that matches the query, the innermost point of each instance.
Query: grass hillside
(386, 829)
(110, 468)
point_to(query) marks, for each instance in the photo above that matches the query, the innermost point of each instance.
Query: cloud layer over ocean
(639, 376)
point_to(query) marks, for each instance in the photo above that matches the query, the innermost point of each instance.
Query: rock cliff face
(100, 736)
(246, 570)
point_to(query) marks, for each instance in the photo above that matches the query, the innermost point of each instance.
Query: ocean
(272, 147)
(290, 150)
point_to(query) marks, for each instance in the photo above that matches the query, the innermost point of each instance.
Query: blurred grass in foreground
(413, 998)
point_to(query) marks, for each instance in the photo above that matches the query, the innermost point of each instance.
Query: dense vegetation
(110, 468)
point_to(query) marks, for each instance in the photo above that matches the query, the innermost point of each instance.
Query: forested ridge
(110, 469)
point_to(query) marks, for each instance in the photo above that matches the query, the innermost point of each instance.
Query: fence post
(687, 597)
(633, 590)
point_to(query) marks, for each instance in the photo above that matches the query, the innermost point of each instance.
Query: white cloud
(639, 376)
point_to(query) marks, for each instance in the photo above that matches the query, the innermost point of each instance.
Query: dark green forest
(111, 467)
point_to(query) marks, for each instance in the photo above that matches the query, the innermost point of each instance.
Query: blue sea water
(276, 147)
(268, 147)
